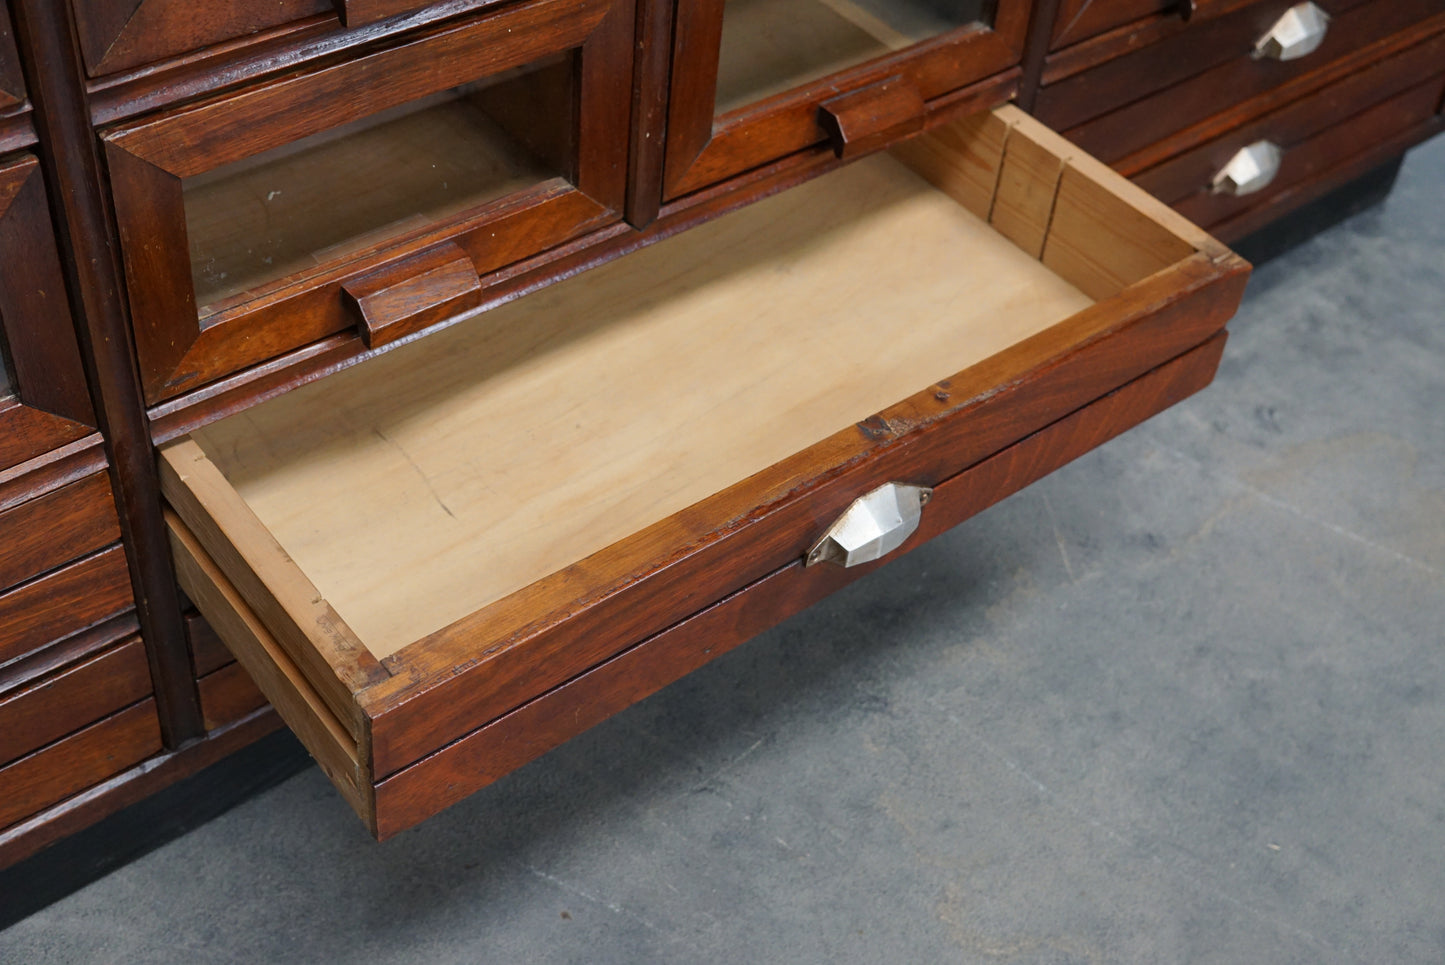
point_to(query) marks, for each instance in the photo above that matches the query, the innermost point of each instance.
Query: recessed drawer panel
(380, 194)
(64, 601)
(412, 549)
(66, 701)
(1128, 103)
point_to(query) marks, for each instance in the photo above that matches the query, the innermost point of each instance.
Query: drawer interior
(442, 515)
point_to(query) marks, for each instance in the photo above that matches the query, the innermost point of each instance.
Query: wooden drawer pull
(1251, 169)
(1299, 31)
(413, 293)
(868, 119)
(875, 525)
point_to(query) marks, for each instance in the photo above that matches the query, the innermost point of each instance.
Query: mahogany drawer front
(119, 35)
(1313, 133)
(46, 710)
(44, 402)
(208, 653)
(12, 83)
(712, 403)
(81, 760)
(1078, 20)
(65, 601)
(1126, 104)
(755, 80)
(54, 528)
(227, 695)
(380, 195)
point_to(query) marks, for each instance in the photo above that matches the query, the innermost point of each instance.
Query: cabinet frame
(178, 351)
(704, 147)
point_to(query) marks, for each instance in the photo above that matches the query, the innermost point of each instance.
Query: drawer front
(1081, 19)
(755, 80)
(65, 702)
(12, 84)
(118, 35)
(63, 602)
(1315, 133)
(44, 403)
(227, 695)
(1127, 104)
(379, 195)
(55, 528)
(84, 759)
(382, 652)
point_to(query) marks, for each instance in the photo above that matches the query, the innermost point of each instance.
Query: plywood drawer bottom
(417, 550)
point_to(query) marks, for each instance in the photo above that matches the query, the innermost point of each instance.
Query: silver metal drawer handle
(875, 525)
(1252, 168)
(1298, 32)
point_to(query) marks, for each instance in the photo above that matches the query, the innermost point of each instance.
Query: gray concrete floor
(1184, 701)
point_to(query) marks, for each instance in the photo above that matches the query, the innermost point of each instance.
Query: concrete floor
(1184, 701)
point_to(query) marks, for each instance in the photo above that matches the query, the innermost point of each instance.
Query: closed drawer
(411, 551)
(81, 760)
(64, 702)
(1307, 137)
(54, 528)
(1126, 104)
(755, 80)
(378, 195)
(1078, 20)
(65, 601)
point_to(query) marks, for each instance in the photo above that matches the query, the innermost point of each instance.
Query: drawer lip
(397, 710)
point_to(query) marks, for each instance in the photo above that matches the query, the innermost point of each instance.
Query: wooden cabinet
(477, 368)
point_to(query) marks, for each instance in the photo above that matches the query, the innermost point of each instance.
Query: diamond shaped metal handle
(1251, 169)
(1299, 31)
(874, 526)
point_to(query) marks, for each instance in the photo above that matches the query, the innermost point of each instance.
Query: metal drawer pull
(1299, 31)
(1252, 168)
(874, 526)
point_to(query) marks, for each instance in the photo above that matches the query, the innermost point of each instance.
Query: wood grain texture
(306, 625)
(63, 602)
(87, 757)
(208, 653)
(703, 149)
(1111, 121)
(47, 710)
(341, 756)
(413, 294)
(1028, 182)
(93, 281)
(868, 119)
(359, 13)
(55, 528)
(79, 811)
(1192, 172)
(455, 531)
(494, 750)
(119, 34)
(227, 695)
(149, 161)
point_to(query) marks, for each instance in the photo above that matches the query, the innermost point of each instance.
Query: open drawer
(446, 560)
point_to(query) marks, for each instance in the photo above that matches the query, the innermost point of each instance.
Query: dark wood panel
(67, 701)
(81, 760)
(1080, 19)
(228, 694)
(208, 653)
(1154, 321)
(64, 602)
(1305, 159)
(152, 775)
(490, 752)
(1233, 79)
(55, 528)
(1192, 172)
